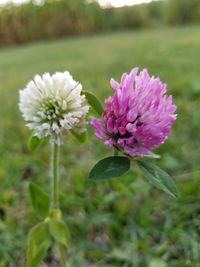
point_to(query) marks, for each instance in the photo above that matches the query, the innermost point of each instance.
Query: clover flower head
(138, 117)
(52, 105)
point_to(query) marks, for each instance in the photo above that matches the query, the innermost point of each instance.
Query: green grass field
(124, 222)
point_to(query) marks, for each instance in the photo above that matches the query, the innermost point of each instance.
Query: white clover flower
(53, 104)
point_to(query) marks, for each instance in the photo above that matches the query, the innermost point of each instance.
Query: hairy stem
(115, 152)
(55, 193)
(62, 256)
(55, 177)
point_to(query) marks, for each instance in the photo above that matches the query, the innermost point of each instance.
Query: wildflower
(53, 105)
(138, 117)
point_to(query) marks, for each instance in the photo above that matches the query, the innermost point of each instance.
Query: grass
(124, 222)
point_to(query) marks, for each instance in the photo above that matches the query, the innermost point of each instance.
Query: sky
(115, 3)
(119, 3)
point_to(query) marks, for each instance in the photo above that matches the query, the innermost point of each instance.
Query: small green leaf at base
(38, 244)
(80, 137)
(94, 102)
(34, 142)
(59, 231)
(40, 200)
(110, 167)
(158, 177)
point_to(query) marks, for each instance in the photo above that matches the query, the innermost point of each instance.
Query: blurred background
(123, 222)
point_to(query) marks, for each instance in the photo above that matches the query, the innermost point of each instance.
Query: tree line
(58, 18)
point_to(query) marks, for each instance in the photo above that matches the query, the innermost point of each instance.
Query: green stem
(62, 256)
(55, 193)
(55, 177)
(116, 152)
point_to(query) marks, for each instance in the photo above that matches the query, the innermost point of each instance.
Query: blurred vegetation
(182, 12)
(118, 223)
(57, 18)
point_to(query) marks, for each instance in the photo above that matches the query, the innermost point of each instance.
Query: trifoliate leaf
(94, 102)
(59, 231)
(38, 244)
(40, 200)
(80, 137)
(110, 167)
(34, 142)
(158, 177)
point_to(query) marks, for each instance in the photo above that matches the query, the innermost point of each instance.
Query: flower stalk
(55, 210)
(62, 256)
(55, 151)
(116, 152)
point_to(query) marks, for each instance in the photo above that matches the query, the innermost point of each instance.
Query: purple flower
(138, 117)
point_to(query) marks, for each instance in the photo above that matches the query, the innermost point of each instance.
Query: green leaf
(34, 142)
(80, 137)
(59, 231)
(158, 177)
(110, 167)
(94, 102)
(38, 244)
(40, 200)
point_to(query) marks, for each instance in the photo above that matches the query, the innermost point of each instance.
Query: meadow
(122, 222)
